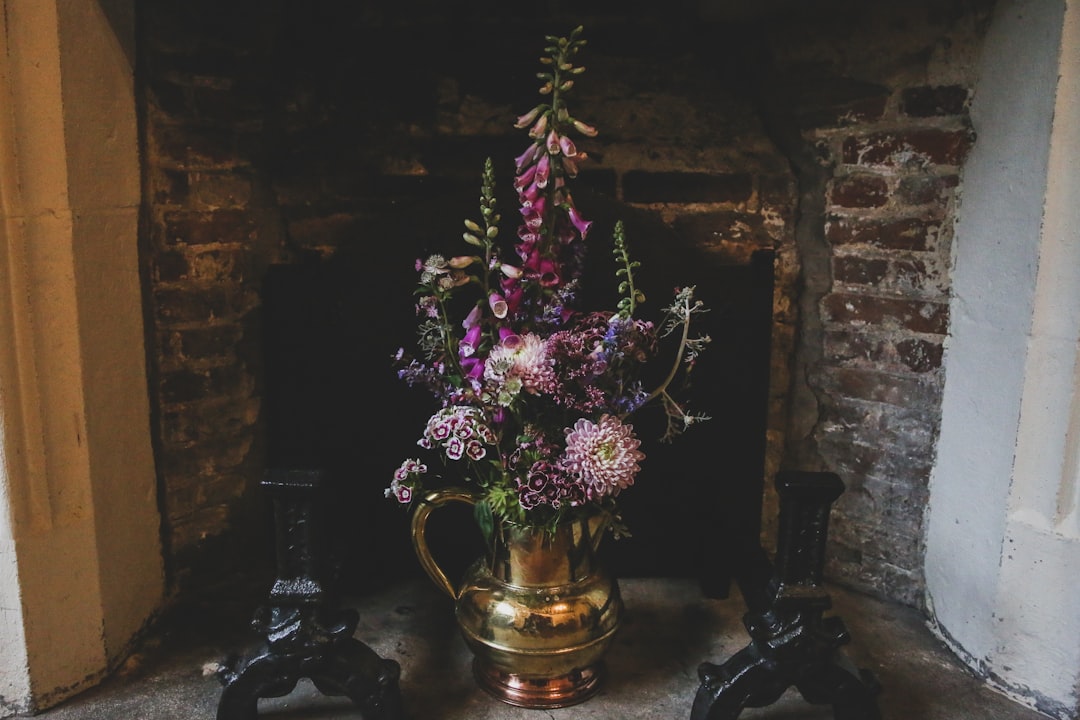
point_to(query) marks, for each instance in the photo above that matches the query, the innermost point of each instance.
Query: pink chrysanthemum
(527, 361)
(605, 454)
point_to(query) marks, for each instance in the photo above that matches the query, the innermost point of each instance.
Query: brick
(884, 543)
(705, 229)
(778, 191)
(919, 147)
(334, 230)
(185, 386)
(216, 266)
(599, 180)
(907, 314)
(222, 489)
(854, 270)
(915, 277)
(852, 112)
(906, 422)
(838, 102)
(191, 528)
(196, 148)
(859, 349)
(903, 234)
(170, 266)
(227, 104)
(920, 355)
(170, 187)
(641, 186)
(855, 462)
(859, 190)
(210, 342)
(224, 418)
(177, 305)
(200, 228)
(221, 190)
(169, 97)
(923, 189)
(934, 101)
(881, 387)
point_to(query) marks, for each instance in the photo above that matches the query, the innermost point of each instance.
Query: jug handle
(427, 505)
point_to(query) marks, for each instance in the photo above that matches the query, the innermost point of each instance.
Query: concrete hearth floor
(670, 628)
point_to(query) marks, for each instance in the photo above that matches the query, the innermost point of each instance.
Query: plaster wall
(1002, 546)
(81, 571)
(14, 673)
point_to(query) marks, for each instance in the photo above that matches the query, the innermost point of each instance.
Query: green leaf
(484, 519)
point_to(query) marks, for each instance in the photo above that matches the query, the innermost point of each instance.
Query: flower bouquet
(535, 393)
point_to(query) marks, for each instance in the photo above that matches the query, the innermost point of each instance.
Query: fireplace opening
(333, 402)
(342, 140)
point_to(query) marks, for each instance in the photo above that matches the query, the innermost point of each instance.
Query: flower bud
(462, 261)
(510, 271)
(528, 118)
(587, 130)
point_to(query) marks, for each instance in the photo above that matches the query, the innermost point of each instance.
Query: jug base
(573, 688)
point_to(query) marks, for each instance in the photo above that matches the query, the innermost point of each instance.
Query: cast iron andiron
(304, 637)
(791, 643)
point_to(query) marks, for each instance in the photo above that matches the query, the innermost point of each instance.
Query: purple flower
(401, 487)
(605, 454)
(471, 342)
(543, 171)
(582, 225)
(526, 157)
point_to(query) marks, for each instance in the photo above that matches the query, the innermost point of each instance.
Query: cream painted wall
(81, 570)
(14, 672)
(1003, 541)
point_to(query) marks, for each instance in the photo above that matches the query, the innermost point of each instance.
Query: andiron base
(305, 637)
(792, 644)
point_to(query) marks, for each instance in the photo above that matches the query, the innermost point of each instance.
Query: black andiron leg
(304, 637)
(791, 643)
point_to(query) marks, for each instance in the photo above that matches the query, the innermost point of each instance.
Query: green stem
(662, 388)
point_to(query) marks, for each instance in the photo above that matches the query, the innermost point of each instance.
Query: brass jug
(536, 610)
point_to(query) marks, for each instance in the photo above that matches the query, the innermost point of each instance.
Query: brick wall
(211, 229)
(886, 120)
(298, 131)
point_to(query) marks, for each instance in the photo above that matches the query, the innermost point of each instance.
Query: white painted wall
(1003, 538)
